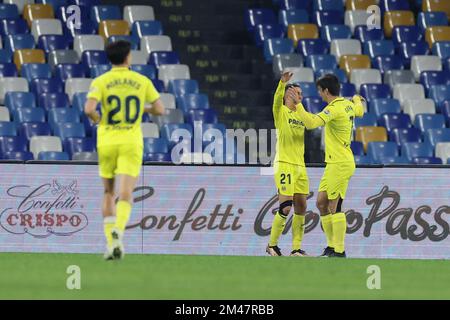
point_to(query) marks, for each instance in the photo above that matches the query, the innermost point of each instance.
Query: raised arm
(279, 93)
(359, 107)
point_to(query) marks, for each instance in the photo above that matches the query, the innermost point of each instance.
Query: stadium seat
(434, 136)
(158, 58)
(295, 4)
(105, 12)
(134, 13)
(145, 69)
(335, 31)
(62, 115)
(402, 34)
(359, 4)
(33, 12)
(439, 94)
(69, 130)
(436, 5)
(395, 120)
(357, 148)
(431, 19)
(31, 71)
(86, 27)
(446, 111)
(85, 156)
(9, 144)
(8, 70)
(31, 129)
(393, 5)
(376, 48)
(157, 157)
(8, 84)
(355, 18)
(415, 107)
(93, 57)
(393, 160)
(354, 61)
(401, 136)
(134, 43)
(393, 77)
(74, 145)
(168, 100)
(369, 134)
(386, 63)
(50, 43)
(339, 73)
(159, 85)
(8, 11)
(432, 78)
(169, 72)
(397, 18)
(168, 129)
(281, 62)
(155, 43)
(88, 42)
(14, 100)
(324, 5)
(138, 57)
(437, 33)
(18, 155)
(426, 160)
(367, 120)
(409, 50)
(348, 89)
(372, 91)
(443, 151)
(342, 47)
(28, 56)
(416, 149)
(48, 101)
(298, 32)
(143, 29)
(5, 56)
(150, 130)
(13, 27)
(40, 86)
(312, 46)
(323, 18)
(19, 41)
(441, 49)
(43, 27)
(321, 61)
(109, 28)
(29, 115)
(404, 92)
(155, 145)
(8, 128)
(301, 75)
(75, 85)
(180, 87)
(314, 104)
(425, 63)
(98, 70)
(423, 122)
(267, 31)
(4, 114)
(363, 160)
(170, 116)
(53, 156)
(378, 150)
(292, 16)
(193, 101)
(309, 88)
(363, 34)
(253, 17)
(62, 56)
(361, 76)
(277, 46)
(69, 70)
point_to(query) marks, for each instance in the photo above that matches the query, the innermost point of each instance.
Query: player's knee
(108, 192)
(285, 207)
(300, 206)
(125, 196)
(322, 205)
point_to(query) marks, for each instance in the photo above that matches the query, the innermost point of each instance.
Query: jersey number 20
(128, 105)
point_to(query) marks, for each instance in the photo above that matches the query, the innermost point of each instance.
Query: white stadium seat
(156, 43)
(393, 77)
(340, 47)
(9, 84)
(88, 42)
(4, 114)
(169, 72)
(62, 56)
(415, 107)
(44, 143)
(404, 92)
(139, 57)
(150, 130)
(280, 62)
(420, 64)
(168, 100)
(41, 27)
(362, 76)
(356, 18)
(135, 13)
(443, 151)
(301, 75)
(75, 85)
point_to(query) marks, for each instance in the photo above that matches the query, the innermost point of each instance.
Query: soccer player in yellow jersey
(291, 178)
(124, 96)
(338, 118)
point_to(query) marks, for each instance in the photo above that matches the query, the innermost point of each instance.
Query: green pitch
(43, 276)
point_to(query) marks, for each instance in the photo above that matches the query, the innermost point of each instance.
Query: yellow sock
(327, 226)
(339, 231)
(123, 210)
(279, 221)
(298, 229)
(108, 224)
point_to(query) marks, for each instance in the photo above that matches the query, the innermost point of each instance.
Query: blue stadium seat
(323, 18)
(296, 4)
(31, 129)
(155, 145)
(367, 120)
(159, 85)
(62, 115)
(439, 94)
(253, 17)
(31, 71)
(18, 155)
(363, 34)
(433, 78)
(8, 129)
(158, 58)
(86, 27)
(9, 143)
(93, 57)
(446, 64)
(339, 73)
(218, 126)
(308, 47)
(147, 70)
(434, 136)
(40, 86)
(85, 3)
(430, 19)
(69, 70)
(53, 156)
(5, 56)
(53, 42)
(324, 5)
(335, 31)
(381, 106)
(408, 50)
(309, 89)
(386, 160)
(203, 115)
(74, 145)
(99, 69)
(429, 121)
(63, 14)
(395, 120)
(416, 149)
(192, 101)
(169, 128)
(348, 89)
(180, 87)
(277, 46)
(394, 5)
(363, 160)
(372, 91)
(402, 34)
(157, 157)
(135, 44)
(12, 27)
(357, 148)
(376, 48)
(78, 101)
(8, 70)
(48, 101)
(321, 61)
(8, 11)
(105, 12)
(427, 160)
(314, 104)
(70, 130)
(292, 16)
(401, 136)
(441, 49)
(446, 111)
(15, 100)
(267, 31)
(378, 150)
(146, 28)
(29, 115)
(386, 63)
(19, 41)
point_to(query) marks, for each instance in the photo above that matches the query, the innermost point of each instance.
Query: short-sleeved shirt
(123, 95)
(339, 117)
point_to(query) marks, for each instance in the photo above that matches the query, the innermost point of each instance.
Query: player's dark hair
(118, 51)
(330, 82)
(290, 85)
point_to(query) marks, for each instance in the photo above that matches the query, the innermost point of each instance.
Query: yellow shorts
(120, 159)
(335, 179)
(291, 179)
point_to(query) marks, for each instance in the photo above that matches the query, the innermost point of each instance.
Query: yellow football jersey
(290, 131)
(339, 117)
(123, 95)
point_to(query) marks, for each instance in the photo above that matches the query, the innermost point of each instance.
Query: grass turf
(43, 276)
